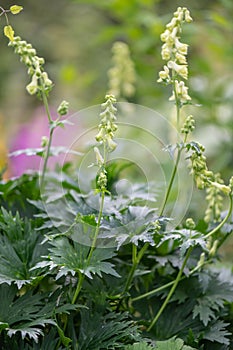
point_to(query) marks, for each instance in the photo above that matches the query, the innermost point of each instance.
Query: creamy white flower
(181, 48)
(179, 13)
(172, 24)
(166, 52)
(181, 92)
(188, 18)
(180, 58)
(164, 74)
(165, 35)
(33, 86)
(180, 69)
(98, 156)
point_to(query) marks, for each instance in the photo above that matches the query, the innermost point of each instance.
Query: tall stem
(79, 287)
(217, 228)
(170, 182)
(93, 245)
(172, 290)
(168, 191)
(97, 226)
(52, 128)
(46, 157)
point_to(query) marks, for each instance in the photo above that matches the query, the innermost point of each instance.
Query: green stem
(152, 292)
(4, 12)
(169, 284)
(97, 227)
(172, 290)
(217, 228)
(177, 104)
(136, 258)
(133, 268)
(52, 128)
(45, 102)
(93, 246)
(79, 286)
(170, 182)
(46, 157)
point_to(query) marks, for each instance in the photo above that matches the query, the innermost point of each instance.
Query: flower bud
(98, 156)
(63, 108)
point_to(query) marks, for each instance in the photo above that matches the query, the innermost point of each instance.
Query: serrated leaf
(54, 151)
(218, 333)
(26, 314)
(217, 292)
(20, 250)
(71, 257)
(15, 9)
(105, 332)
(9, 32)
(185, 238)
(204, 310)
(133, 225)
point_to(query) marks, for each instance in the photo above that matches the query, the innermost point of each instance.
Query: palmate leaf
(23, 315)
(178, 317)
(16, 192)
(217, 292)
(47, 342)
(30, 313)
(133, 225)
(217, 332)
(71, 257)
(20, 250)
(185, 238)
(105, 332)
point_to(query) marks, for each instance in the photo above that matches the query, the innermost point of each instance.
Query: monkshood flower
(180, 92)
(122, 75)
(107, 125)
(175, 52)
(106, 130)
(39, 78)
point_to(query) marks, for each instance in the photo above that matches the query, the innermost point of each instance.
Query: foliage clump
(97, 270)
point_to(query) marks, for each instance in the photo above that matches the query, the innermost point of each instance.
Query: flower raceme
(106, 130)
(107, 125)
(174, 52)
(39, 78)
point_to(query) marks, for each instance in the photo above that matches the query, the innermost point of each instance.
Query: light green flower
(33, 86)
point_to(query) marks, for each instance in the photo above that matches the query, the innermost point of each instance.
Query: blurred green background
(75, 37)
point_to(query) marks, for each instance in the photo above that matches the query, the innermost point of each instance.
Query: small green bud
(44, 141)
(15, 9)
(63, 108)
(201, 260)
(9, 32)
(190, 224)
(213, 249)
(102, 180)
